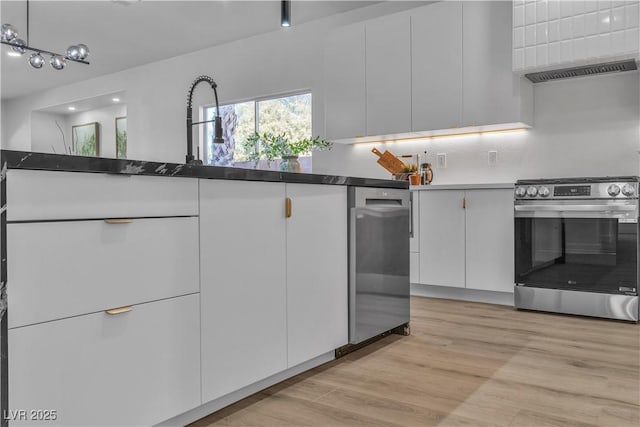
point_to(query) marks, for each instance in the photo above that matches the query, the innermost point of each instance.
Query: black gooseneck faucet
(218, 120)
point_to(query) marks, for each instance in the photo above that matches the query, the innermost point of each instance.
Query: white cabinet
(46, 195)
(489, 240)
(243, 284)
(426, 70)
(466, 239)
(101, 265)
(345, 98)
(559, 34)
(274, 289)
(135, 368)
(388, 74)
(436, 62)
(317, 271)
(442, 236)
(493, 94)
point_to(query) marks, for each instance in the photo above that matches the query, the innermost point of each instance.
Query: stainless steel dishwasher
(379, 229)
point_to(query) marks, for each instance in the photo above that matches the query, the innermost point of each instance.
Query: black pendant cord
(27, 22)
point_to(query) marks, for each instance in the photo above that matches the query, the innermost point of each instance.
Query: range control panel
(596, 190)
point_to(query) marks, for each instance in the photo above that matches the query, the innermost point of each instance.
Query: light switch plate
(442, 160)
(492, 158)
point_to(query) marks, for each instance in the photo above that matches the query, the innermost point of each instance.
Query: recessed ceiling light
(72, 108)
(12, 53)
(115, 99)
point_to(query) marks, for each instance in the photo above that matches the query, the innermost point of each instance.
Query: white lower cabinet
(134, 368)
(273, 286)
(466, 239)
(243, 284)
(317, 271)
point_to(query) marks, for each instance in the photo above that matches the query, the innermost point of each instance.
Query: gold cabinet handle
(287, 207)
(464, 203)
(119, 310)
(118, 220)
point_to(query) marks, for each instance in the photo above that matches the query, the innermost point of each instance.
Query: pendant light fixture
(9, 37)
(285, 13)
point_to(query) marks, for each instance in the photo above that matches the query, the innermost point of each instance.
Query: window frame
(204, 149)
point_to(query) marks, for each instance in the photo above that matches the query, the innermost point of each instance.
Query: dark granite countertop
(59, 162)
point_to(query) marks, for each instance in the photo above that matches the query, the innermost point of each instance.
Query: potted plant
(270, 146)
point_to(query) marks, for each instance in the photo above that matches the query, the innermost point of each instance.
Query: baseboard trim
(215, 405)
(474, 295)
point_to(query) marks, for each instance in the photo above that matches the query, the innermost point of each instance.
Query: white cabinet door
(493, 94)
(436, 55)
(136, 368)
(442, 235)
(489, 246)
(414, 267)
(100, 265)
(388, 75)
(345, 83)
(243, 284)
(317, 271)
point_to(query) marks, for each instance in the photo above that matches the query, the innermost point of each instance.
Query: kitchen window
(290, 114)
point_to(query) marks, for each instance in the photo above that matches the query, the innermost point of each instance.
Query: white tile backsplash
(566, 28)
(632, 14)
(541, 34)
(529, 13)
(518, 37)
(550, 32)
(578, 26)
(542, 57)
(618, 19)
(530, 35)
(591, 24)
(541, 11)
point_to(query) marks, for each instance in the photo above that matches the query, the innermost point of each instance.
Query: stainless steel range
(576, 246)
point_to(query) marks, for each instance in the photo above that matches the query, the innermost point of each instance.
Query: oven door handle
(624, 213)
(577, 208)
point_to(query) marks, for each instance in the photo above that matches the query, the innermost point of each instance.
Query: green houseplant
(270, 146)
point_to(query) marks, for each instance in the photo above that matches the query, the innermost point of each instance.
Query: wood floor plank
(466, 364)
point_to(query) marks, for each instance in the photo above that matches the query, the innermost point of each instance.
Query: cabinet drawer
(135, 368)
(67, 268)
(42, 195)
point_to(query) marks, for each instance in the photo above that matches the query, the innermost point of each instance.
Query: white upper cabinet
(345, 98)
(436, 63)
(493, 94)
(423, 72)
(565, 33)
(388, 74)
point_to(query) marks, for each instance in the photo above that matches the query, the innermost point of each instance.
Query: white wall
(582, 127)
(278, 62)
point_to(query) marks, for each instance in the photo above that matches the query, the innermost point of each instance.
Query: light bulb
(8, 32)
(18, 46)
(36, 60)
(83, 51)
(57, 62)
(73, 52)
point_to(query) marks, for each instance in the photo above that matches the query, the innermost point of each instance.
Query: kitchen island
(138, 292)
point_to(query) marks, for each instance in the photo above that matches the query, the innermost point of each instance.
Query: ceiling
(123, 34)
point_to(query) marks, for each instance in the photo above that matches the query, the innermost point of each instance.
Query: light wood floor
(466, 364)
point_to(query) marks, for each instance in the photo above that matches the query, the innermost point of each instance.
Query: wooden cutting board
(389, 161)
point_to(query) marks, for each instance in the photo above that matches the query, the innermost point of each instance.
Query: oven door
(589, 246)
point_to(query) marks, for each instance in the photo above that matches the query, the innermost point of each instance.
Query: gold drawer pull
(118, 221)
(287, 207)
(119, 310)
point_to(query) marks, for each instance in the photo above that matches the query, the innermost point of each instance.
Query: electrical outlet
(492, 158)
(442, 160)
